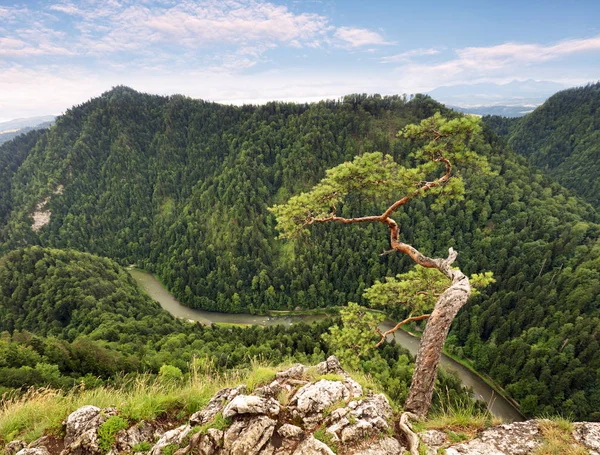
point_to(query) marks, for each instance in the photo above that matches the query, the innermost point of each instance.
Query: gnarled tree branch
(397, 326)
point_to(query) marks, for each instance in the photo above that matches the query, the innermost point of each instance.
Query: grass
(218, 421)
(558, 439)
(141, 399)
(259, 375)
(326, 438)
(143, 446)
(460, 421)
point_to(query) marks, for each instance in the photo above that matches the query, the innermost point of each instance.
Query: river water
(497, 405)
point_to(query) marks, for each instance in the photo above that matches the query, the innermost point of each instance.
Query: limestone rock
(250, 404)
(170, 437)
(34, 451)
(434, 440)
(331, 365)
(142, 431)
(295, 372)
(14, 446)
(380, 446)
(216, 405)
(520, 438)
(211, 442)
(288, 431)
(312, 446)
(312, 399)
(82, 430)
(248, 437)
(588, 434)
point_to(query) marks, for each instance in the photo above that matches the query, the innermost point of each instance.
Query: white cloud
(356, 37)
(405, 56)
(526, 53)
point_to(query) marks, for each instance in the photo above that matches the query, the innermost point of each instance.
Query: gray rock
(34, 451)
(520, 438)
(174, 436)
(588, 434)
(210, 443)
(82, 430)
(14, 446)
(359, 430)
(312, 399)
(353, 387)
(295, 372)
(312, 446)
(434, 440)
(331, 365)
(250, 404)
(39, 442)
(288, 431)
(216, 405)
(248, 437)
(380, 446)
(127, 439)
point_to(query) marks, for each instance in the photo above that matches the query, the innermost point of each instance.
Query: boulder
(520, 438)
(216, 405)
(248, 437)
(588, 434)
(34, 451)
(312, 399)
(312, 446)
(330, 366)
(288, 431)
(379, 446)
(250, 404)
(14, 446)
(82, 425)
(174, 436)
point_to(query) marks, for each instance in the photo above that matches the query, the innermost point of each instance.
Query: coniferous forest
(181, 187)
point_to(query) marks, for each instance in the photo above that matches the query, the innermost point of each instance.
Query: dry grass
(558, 439)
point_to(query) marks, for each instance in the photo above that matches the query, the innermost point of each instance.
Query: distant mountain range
(513, 99)
(12, 128)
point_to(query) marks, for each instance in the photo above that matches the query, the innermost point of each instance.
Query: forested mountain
(181, 187)
(562, 137)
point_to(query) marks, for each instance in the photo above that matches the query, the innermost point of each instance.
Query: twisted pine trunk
(434, 337)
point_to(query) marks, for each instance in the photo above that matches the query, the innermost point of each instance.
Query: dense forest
(561, 137)
(181, 187)
(68, 317)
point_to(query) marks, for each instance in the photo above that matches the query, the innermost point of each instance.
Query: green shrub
(170, 372)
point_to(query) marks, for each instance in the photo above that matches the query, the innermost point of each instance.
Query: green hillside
(181, 187)
(562, 137)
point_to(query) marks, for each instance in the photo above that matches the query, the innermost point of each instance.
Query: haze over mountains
(513, 99)
(12, 128)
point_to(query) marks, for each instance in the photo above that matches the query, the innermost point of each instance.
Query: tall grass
(41, 411)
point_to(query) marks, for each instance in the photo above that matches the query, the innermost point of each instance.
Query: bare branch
(400, 324)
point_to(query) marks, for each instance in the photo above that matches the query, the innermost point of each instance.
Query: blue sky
(57, 53)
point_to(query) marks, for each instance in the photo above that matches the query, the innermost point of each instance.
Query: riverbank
(497, 402)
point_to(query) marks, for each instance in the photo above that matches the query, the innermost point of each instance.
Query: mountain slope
(562, 137)
(182, 187)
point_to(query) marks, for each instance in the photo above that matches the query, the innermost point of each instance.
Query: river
(497, 404)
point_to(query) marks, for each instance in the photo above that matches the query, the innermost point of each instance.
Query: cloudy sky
(57, 53)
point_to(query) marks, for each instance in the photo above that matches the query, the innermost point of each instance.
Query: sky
(58, 53)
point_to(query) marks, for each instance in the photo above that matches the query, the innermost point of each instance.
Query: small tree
(445, 143)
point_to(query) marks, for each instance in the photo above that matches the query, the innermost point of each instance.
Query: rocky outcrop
(322, 416)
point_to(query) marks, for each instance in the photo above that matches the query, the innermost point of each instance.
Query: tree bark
(434, 337)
